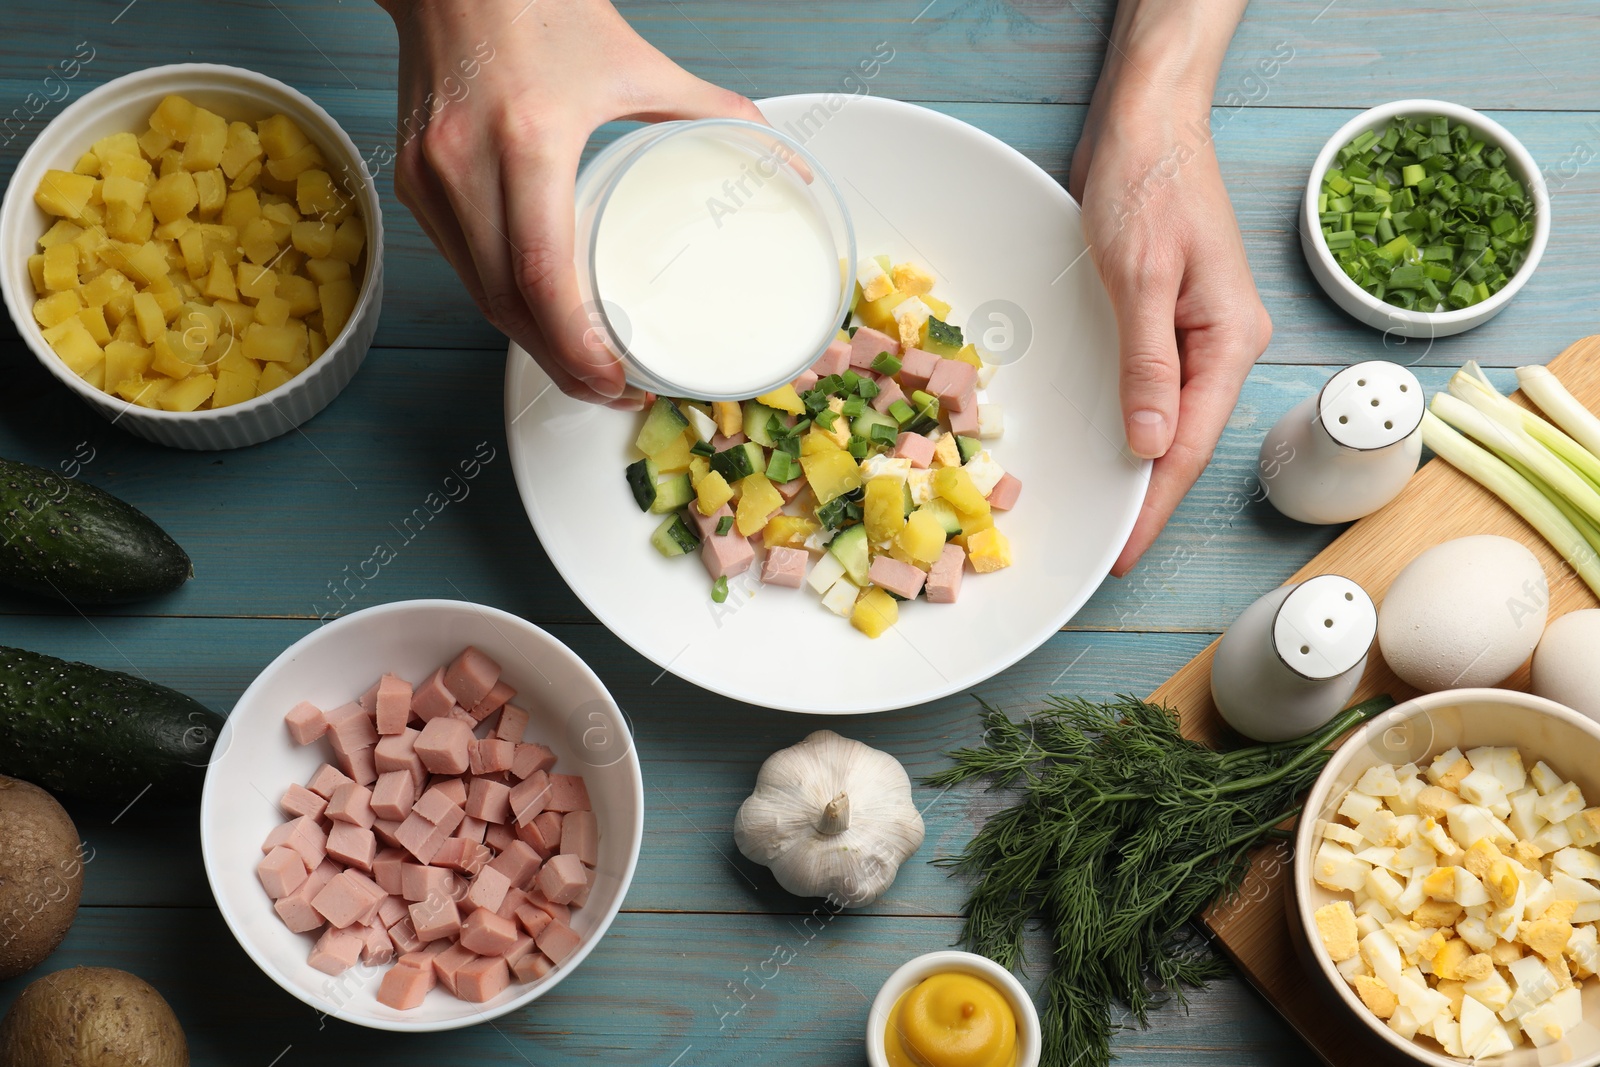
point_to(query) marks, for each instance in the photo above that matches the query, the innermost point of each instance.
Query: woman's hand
(1162, 232)
(487, 163)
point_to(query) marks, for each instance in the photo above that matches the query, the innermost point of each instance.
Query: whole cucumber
(64, 539)
(102, 735)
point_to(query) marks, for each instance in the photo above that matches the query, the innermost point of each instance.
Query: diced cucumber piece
(642, 482)
(850, 548)
(940, 509)
(672, 494)
(740, 461)
(863, 423)
(757, 416)
(968, 447)
(943, 339)
(674, 537)
(664, 423)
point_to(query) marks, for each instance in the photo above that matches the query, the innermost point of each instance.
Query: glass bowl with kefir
(716, 257)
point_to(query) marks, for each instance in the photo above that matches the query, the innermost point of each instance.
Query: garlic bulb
(832, 818)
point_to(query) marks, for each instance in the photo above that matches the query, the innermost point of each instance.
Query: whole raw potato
(91, 1017)
(41, 875)
(1463, 614)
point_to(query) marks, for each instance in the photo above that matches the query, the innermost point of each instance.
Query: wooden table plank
(658, 990)
(1494, 53)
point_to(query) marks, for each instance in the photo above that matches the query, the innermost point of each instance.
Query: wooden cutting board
(1439, 504)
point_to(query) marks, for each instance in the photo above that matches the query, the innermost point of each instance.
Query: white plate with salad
(1002, 248)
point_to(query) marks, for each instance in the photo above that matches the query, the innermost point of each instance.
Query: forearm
(1169, 51)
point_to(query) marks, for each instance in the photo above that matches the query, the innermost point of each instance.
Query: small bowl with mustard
(953, 1007)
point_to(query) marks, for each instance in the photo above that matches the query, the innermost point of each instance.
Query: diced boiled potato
(212, 189)
(784, 398)
(219, 284)
(71, 340)
(883, 508)
(125, 361)
(208, 137)
(275, 344)
(323, 271)
(233, 389)
(988, 550)
(243, 147)
(94, 320)
(313, 237)
(255, 281)
(286, 171)
(57, 308)
(350, 239)
(173, 196)
(712, 492)
(338, 300)
(240, 209)
(315, 194)
(922, 538)
(190, 393)
(117, 146)
(787, 530)
(272, 310)
(301, 294)
(65, 194)
(273, 375)
(831, 474)
(259, 241)
(874, 613)
(757, 499)
(955, 485)
(173, 117)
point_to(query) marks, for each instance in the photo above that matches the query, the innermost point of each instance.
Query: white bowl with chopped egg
(1350, 834)
(125, 104)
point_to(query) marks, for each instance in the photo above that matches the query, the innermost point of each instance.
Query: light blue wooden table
(683, 976)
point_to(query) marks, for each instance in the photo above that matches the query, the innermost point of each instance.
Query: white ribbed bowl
(125, 103)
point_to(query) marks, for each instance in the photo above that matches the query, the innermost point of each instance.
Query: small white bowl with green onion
(1424, 218)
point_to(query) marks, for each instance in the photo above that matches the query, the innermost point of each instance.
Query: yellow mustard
(952, 1020)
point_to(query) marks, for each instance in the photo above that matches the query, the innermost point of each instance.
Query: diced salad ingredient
(439, 842)
(197, 264)
(1423, 214)
(871, 469)
(1468, 904)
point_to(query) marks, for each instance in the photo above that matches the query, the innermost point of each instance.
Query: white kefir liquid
(728, 279)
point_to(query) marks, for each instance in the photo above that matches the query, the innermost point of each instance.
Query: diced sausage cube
(1003, 497)
(916, 368)
(281, 872)
(806, 381)
(326, 779)
(519, 863)
(393, 704)
(336, 951)
(499, 836)
(376, 948)
(387, 870)
(352, 845)
(726, 555)
(432, 698)
(482, 979)
(489, 801)
(487, 934)
(963, 420)
(462, 855)
(298, 800)
(392, 909)
(834, 360)
(488, 889)
(519, 948)
(580, 836)
(304, 836)
(342, 901)
(558, 912)
(543, 833)
(898, 577)
(385, 830)
(723, 442)
(435, 917)
(369, 700)
(532, 757)
(514, 899)
(888, 392)
(352, 803)
(706, 525)
(470, 677)
(416, 837)
(561, 878)
(791, 488)
(452, 788)
(435, 805)
(492, 702)
(393, 795)
(471, 830)
(418, 882)
(867, 343)
(953, 382)
(785, 566)
(533, 966)
(326, 872)
(443, 745)
(490, 756)
(350, 728)
(404, 987)
(916, 447)
(405, 938)
(567, 793)
(529, 797)
(533, 919)
(297, 911)
(305, 723)
(397, 752)
(513, 724)
(447, 965)
(944, 578)
(359, 766)
(558, 941)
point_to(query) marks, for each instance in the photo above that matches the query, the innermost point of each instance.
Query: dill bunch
(1122, 832)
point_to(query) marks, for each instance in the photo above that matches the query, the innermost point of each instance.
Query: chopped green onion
(859, 447)
(826, 418)
(719, 589)
(883, 434)
(901, 412)
(849, 381)
(780, 467)
(724, 524)
(885, 363)
(853, 407)
(867, 389)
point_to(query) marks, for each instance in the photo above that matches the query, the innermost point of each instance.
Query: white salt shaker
(1292, 660)
(1349, 450)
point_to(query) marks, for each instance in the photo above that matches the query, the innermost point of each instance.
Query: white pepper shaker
(1349, 450)
(1292, 660)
